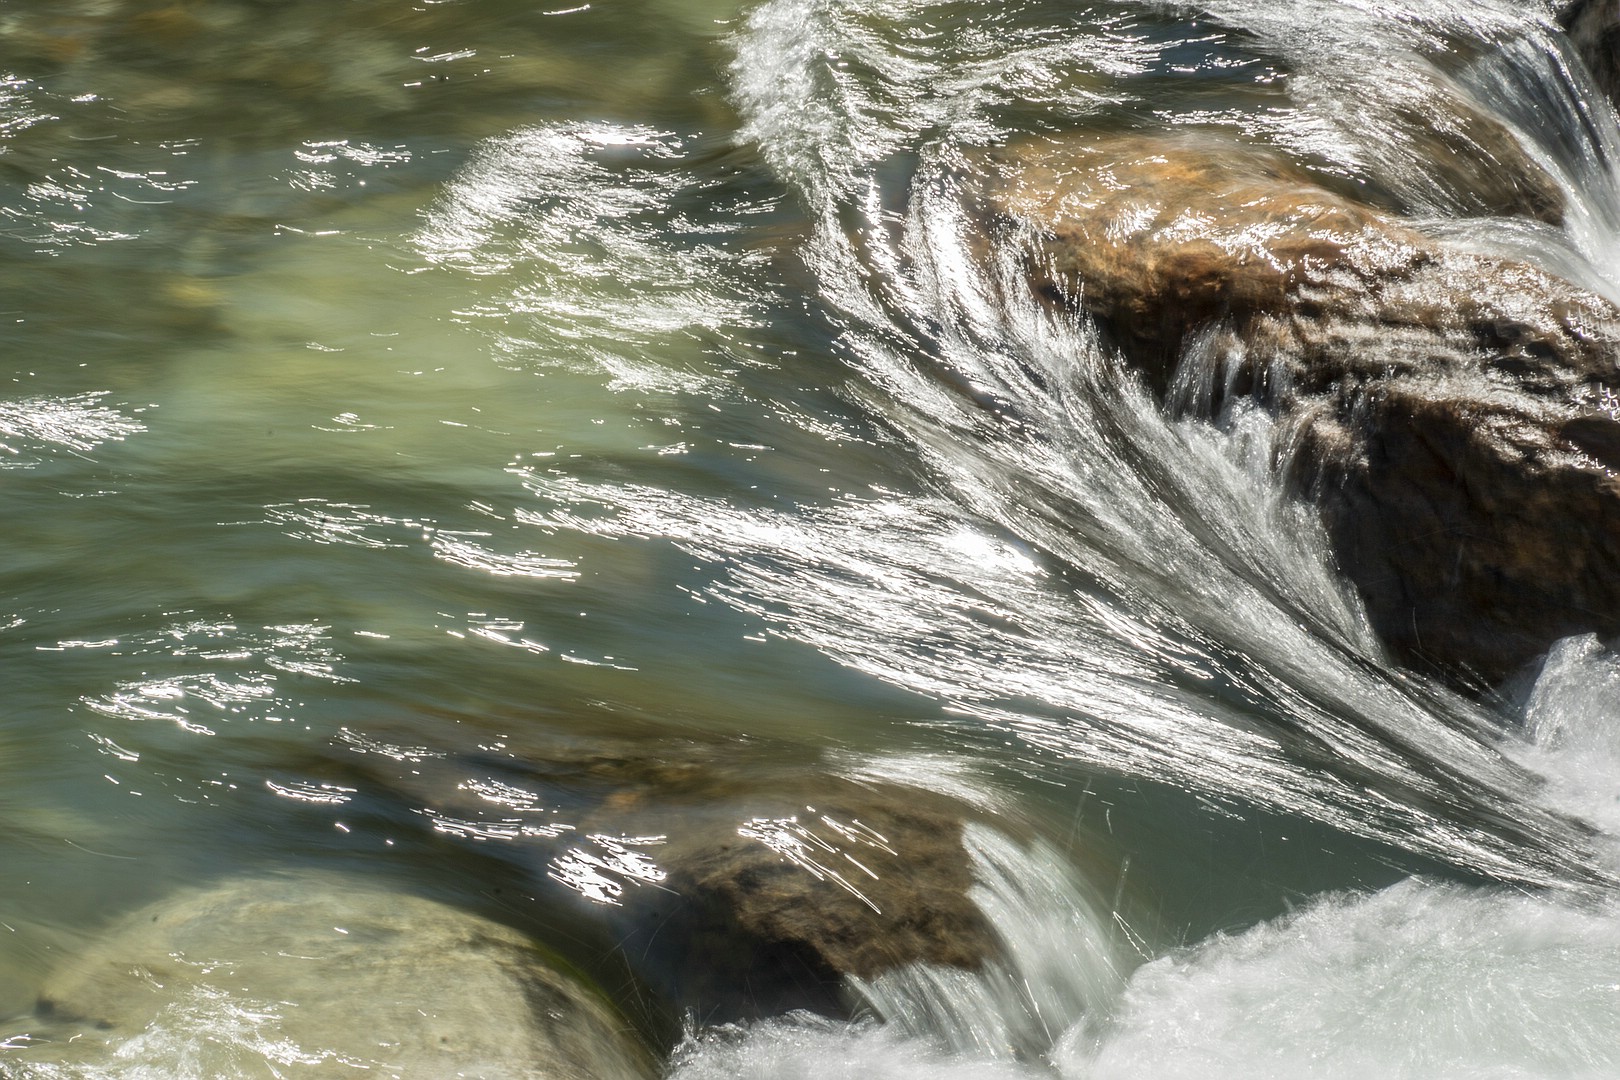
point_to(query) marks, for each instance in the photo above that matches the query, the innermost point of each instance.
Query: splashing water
(1079, 475)
(1059, 960)
(1073, 460)
(707, 408)
(1419, 980)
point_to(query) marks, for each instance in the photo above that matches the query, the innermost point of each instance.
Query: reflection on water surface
(579, 476)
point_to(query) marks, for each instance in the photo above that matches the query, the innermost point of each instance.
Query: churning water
(407, 397)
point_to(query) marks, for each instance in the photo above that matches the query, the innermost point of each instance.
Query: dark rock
(737, 880)
(1478, 517)
(769, 911)
(1453, 413)
(1594, 32)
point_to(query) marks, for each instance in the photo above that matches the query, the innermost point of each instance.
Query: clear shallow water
(404, 398)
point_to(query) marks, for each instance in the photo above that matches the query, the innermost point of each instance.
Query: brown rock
(738, 881)
(771, 897)
(1453, 413)
(1156, 236)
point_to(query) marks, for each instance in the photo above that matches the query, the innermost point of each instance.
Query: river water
(400, 396)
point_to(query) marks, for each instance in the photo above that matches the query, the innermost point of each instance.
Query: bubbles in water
(1419, 981)
(810, 1048)
(1572, 733)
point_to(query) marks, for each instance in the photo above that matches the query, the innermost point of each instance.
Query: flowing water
(405, 395)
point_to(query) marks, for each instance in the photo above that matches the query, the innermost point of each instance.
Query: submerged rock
(766, 909)
(317, 976)
(1454, 414)
(1439, 152)
(735, 882)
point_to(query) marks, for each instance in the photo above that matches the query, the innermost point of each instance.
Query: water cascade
(883, 538)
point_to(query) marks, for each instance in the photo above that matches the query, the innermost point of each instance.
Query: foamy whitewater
(429, 425)
(1421, 979)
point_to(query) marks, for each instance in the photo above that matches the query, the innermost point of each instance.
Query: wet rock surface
(737, 886)
(1486, 171)
(766, 913)
(1594, 32)
(1453, 413)
(385, 984)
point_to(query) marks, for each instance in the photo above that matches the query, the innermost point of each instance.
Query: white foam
(811, 1048)
(1420, 980)
(1571, 734)
(1060, 960)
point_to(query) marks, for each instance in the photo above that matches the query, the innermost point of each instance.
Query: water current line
(1032, 432)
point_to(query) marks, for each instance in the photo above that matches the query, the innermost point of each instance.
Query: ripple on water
(1070, 588)
(229, 675)
(1193, 629)
(604, 243)
(34, 428)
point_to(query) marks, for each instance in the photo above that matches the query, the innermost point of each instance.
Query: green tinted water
(399, 396)
(266, 458)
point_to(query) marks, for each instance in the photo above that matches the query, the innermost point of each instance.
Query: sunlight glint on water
(1079, 463)
(421, 405)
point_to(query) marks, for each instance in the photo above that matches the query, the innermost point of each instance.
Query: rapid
(457, 452)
